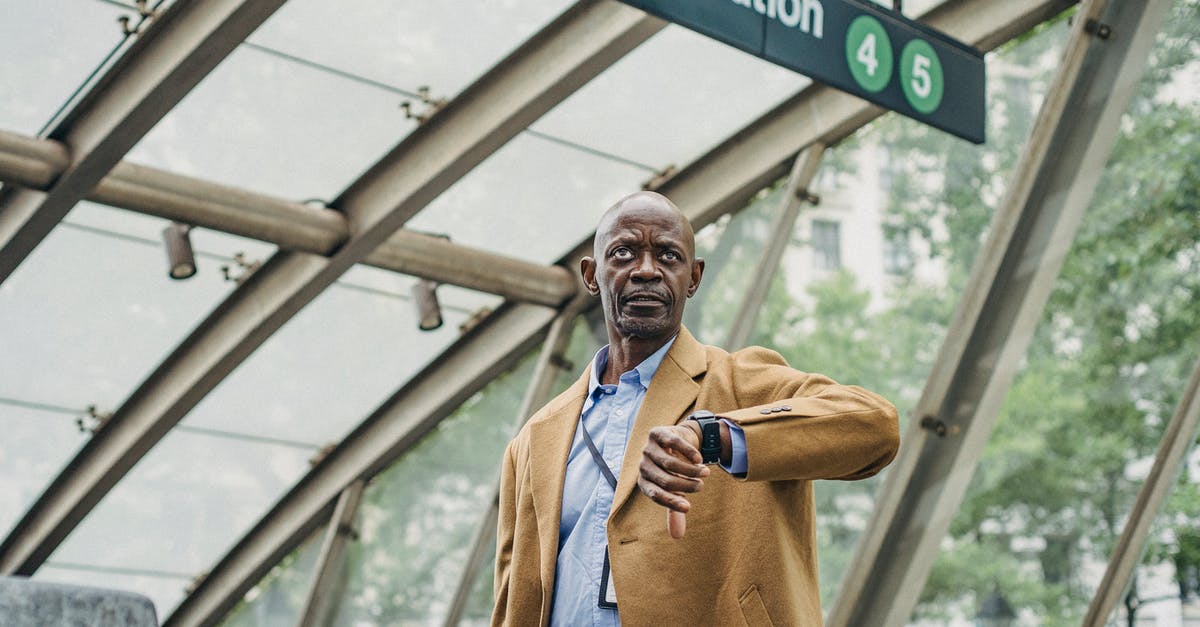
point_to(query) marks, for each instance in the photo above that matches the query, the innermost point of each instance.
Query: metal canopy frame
(1009, 286)
(34, 163)
(567, 53)
(1177, 439)
(717, 183)
(177, 50)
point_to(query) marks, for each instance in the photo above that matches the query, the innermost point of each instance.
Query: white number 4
(866, 54)
(921, 82)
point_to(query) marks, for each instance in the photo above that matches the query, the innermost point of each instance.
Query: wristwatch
(710, 435)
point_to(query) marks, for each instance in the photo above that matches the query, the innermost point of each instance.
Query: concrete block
(26, 603)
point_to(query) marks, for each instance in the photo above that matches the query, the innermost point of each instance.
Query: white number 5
(921, 82)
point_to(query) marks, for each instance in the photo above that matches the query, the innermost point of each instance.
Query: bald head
(646, 205)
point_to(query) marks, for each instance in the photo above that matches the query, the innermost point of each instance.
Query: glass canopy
(320, 93)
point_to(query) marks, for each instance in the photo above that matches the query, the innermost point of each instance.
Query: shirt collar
(645, 370)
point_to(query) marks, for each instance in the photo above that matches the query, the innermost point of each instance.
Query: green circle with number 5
(869, 53)
(921, 76)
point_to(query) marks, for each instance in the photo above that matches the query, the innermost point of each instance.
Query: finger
(669, 461)
(663, 497)
(653, 473)
(676, 524)
(670, 438)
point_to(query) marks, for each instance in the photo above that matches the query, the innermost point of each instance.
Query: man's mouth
(645, 300)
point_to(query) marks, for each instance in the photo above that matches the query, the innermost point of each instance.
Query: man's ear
(697, 272)
(587, 270)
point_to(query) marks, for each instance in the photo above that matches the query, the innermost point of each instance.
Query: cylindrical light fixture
(179, 251)
(429, 311)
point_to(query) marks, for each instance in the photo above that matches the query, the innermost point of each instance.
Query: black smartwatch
(710, 435)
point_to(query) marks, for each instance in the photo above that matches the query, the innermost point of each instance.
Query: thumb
(676, 523)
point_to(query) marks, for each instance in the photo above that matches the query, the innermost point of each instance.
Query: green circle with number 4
(869, 53)
(921, 76)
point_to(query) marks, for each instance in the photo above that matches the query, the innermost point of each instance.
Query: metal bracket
(803, 195)
(195, 583)
(246, 266)
(145, 14)
(937, 426)
(348, 532)
(474, 320)
(562, 363)
(431, 105)
(321, 454)
(93, 421)
(1097, 28)
(660, 178)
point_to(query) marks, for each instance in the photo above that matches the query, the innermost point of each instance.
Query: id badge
(608, 591)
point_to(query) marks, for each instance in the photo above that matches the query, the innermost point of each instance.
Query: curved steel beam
(719, 182)
(543, 71)
(177, 50)
(32, 162)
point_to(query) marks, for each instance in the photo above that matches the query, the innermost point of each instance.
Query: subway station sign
(856, 46)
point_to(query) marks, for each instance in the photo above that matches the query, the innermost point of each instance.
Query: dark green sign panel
(858, 47)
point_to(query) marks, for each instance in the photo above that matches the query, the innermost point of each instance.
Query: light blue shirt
(608, 414)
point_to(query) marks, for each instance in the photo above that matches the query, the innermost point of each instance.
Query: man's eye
(622, 253)
(671, 255)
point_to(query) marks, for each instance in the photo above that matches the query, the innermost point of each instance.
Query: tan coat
(749, 557)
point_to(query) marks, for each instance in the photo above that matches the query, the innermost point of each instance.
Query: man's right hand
(671, 467)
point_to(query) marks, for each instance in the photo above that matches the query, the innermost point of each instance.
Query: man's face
(644, 268)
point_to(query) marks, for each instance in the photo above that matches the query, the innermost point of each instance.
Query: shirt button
(786, 408)
(765, 411)
(620, 412)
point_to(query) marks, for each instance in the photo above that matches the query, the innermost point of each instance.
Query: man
(577, 545)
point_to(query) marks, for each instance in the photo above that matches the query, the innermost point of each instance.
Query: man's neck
(625, 353)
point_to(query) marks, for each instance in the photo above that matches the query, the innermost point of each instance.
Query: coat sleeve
(505, 525)
(807, 426)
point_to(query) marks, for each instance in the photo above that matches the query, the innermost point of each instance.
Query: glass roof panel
(534, 199)
(37, 443)
(332, 364)
(264, 119)
(267, 124)
(671, 100)
(175, 513)
(443, 45)
(91, 312)
(44, 58)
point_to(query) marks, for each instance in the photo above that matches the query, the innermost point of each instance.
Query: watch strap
(710, 435)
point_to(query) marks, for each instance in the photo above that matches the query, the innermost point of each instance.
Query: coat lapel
(672, 390)
(550, 442)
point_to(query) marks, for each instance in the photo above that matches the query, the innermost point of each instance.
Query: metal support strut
(795, 194)
(323, 588)
(1176, 441)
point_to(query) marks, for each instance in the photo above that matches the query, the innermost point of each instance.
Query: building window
(827, 244)
(897, 255)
